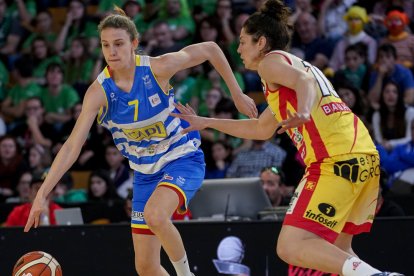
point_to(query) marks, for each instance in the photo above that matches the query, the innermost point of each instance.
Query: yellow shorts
(337, 195)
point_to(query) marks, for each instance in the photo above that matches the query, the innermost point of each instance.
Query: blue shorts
(184, 176)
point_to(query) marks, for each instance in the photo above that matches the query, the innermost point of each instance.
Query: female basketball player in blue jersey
(133, 99)
(336, 197)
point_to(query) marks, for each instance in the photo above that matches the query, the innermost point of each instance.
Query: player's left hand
(188, 114)
(246, 105)
(292, 121)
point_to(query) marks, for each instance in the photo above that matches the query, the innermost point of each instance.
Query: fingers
(282, 129)
(29, 224)
(186, 130)
(190, 109)
(36, 221)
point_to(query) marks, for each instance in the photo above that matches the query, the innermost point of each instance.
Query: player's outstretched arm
(257, 129)
(70, 150)
(169, 64)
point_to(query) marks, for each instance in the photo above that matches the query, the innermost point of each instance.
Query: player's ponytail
(118, 10)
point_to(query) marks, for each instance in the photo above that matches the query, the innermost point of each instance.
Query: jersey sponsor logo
(327, 209)
(333, 107)
(137, 215)
(353, 171)
(154, 100)
(319, 218)
(348, 169)
(138, 134)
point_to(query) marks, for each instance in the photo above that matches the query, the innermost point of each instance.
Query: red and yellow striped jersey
(332, 130)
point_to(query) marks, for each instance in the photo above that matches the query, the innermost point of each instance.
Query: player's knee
(144, 268)
(154, 218)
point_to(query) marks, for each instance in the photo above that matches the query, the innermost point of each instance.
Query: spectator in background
(178, 16)
(184, 85)
(261, 154)
(387, 69)
(22, 189)
(78, 66)
(19, 215)
(134, 10)
(11, 166)
(392, 122)
(39, 158)
(41, 56)
(225, 109)
(273, 183)
(357, 68)
(353, 98)
(208, 29)
(41, 27)
(213, 97)
(301, 6)
(330, 21)
(91, 154)
(380, 8)
(221, 153)
(57, 97)
(101, 187)
(317, 49)
(223, 16)
(396, 22)
(356, 18)
(64, 192)
(24, 88)
(399, 162)
(76, 24)
(4, 80)
(162, 40)
(118, 169)
(6, 41)
(35, 130)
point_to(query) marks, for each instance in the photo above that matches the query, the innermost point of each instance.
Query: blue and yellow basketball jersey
(140, 123)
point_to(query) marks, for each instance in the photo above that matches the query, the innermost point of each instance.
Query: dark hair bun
(275, 9)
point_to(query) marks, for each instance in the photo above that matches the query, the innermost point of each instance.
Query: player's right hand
(38, 207)
(188, 114)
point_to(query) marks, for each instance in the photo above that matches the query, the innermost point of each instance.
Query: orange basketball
(37, 263)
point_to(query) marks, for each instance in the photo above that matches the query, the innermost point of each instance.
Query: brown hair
(119, 20)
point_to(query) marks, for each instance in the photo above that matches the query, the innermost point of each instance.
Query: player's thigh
(322, 202)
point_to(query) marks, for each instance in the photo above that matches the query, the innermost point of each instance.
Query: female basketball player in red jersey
(337, 196)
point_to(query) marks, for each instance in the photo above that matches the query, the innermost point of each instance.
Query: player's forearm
(305, 92)
(247, 129)
(220, 63)
(64, 160)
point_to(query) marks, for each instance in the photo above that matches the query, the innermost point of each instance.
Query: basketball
(37, 263)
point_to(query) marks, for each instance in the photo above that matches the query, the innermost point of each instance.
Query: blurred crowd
(49, 55)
